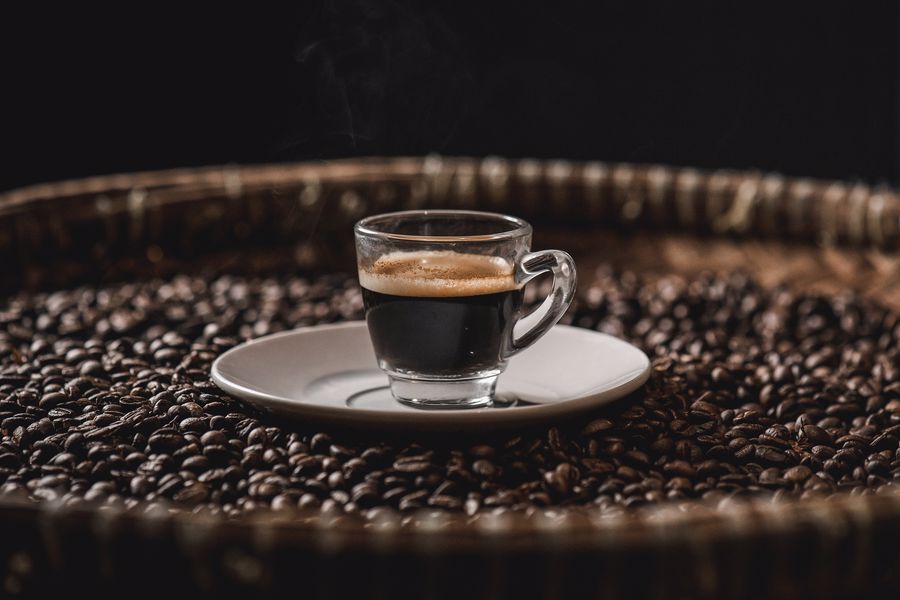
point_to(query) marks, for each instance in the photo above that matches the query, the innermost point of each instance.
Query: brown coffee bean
(193, 494)
(596, 426)
(214, 438)
(394, 493)
(711, 468)
(482, 451)
(595, 466)
(165, 442)
(815, 435)
(446, 502)
(627, 473)
(798, 474)
(770, 455)
(413, 500)
(52, 400)
(193, 424)
(484, 468)
(197, 464)
(258, 436)
(745, 453)
(412, 466)
(771, 477)
(9, 460)
(557, 482)
(613, 448)
(885, 441)
(636, 457)
(320, 442)
(365, 495)
(170, 484)
(680, 468)
(140, 486)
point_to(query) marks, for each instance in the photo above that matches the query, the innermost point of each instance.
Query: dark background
(799, 87)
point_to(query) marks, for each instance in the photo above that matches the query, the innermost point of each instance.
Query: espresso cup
(443, 294)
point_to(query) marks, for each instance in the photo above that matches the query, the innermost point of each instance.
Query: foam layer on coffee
(438, 274)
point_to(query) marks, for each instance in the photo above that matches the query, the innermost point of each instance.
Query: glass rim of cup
(518, 227)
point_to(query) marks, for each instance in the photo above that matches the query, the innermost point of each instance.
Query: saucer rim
(516, 415)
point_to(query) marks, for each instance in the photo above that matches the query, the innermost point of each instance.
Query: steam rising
(376, 75)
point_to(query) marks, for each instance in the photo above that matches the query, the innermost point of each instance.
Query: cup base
(444, 394)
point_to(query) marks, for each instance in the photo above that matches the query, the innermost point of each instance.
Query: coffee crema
(438, 274)
(440, 312)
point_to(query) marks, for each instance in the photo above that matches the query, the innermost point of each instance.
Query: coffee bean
(192, 494)
(364, 495)
(10, 461)
(885, 441)
(798, 474)
(877, 466)
(394, 493)
(412, 465)
(834, 467)
(340, 452)
(197, 464)
(706, 410)
(165, 442)
(710, 468)
(815, 435)
(485, 468)
(308, 501)
(220, 456)
(722, 376)
(446, 502)
(283, 502)
(614, 448)
(770, 455)
(771, 477)
(193, 424)
(746, 453)
(52, 400)
(170, 485)
(627, 473)
(822, 452)
(167, 356)
(336, 480)
(413, 500)
(554, 439)
(320, 442)
(636, 457)
(596, 426)
(266, 490)
(680, 468)
(258, 436)
(140, 486)
(595, 466)
(92, 368)
(848, 456)
(214, 438)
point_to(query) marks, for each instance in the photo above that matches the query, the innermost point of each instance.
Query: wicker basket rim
(559, 522)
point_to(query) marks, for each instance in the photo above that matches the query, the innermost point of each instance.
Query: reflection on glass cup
(443, 291)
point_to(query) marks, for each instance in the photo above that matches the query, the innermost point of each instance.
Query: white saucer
(328, 373)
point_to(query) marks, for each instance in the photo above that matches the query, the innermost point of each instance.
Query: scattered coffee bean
(752, 391)
(798, 474)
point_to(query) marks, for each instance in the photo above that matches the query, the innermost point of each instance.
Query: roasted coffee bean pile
(105, 396)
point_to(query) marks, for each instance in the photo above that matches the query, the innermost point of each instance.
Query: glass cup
(443, 294)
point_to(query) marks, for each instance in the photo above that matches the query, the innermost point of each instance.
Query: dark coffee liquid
(440, 313)
(440, 335)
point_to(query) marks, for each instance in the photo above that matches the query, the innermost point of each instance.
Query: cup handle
(548, 314)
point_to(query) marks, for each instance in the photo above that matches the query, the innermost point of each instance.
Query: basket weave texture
(819, 235)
